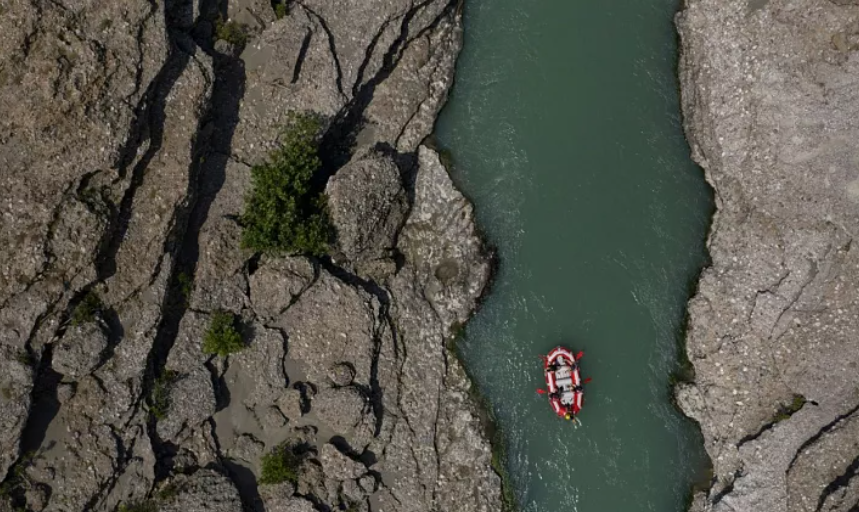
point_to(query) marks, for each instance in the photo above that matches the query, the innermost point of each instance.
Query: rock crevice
(770, 110)
(124, 179)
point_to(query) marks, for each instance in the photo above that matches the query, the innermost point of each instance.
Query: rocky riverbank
(772, 115)
(128, 134)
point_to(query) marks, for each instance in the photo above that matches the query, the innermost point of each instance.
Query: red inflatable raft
(564, 382)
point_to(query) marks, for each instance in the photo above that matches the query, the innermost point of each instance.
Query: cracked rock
(770, 114)
(126, 148)
(191, 395)
(205, 490)
(278, 497)
(368, 205)
(338, 466)
(342, 374)
(277, 283)
(342, 409)
(247, 448)
(289, 403)
(311, 479)
(332, 322)
(79, 351)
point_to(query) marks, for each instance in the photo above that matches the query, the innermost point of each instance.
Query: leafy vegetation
(282, 214)
(186, 286)
(25, 357)
(166, 494)
(169, 491)
(16, 478)
(280, 9)
(456, 333)
(139, 506)
(499, 455)
(231, 31)
(87, 309)
(282, 464)
(786, 411)
(495, 435)
(96, 200)
(161, 393)
(222, 338)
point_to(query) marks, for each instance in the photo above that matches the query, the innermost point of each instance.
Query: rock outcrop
(771, 110)
(128, 134)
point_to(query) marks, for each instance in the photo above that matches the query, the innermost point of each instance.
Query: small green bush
(17, 475)
(797, 403)
(86, 310)
(169, 491)
(222, 338)
(786, 411)
(282, 464)
(282, 214)
(139, 506)
(280, 9)
(96, 200)
(161, 393)
(231, 31)
(186, 286)
(24, 357)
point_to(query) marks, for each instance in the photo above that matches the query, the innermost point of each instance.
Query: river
(565, 131)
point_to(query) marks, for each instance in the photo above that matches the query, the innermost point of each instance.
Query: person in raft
(553, 366)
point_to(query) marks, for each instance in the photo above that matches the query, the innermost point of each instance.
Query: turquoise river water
(565, 131)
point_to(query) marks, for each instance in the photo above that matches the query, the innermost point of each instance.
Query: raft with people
(564, 382)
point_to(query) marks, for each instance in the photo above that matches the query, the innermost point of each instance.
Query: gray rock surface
(772, 114)
(79, 352)
(203, 490)
(368, 204)
(126, 145)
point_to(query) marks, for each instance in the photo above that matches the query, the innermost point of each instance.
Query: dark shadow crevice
(823, 430)
(839, 483)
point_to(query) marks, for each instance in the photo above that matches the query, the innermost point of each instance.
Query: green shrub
(169, 491)
(86, 310)
(280, 9)
(231, 31)
(786, 411)
(96, 200)
(186, 286)
(797, 403)
(282, 214)
(222, 338)
(282, 464)
(139, 506)
(25, 357)
(17, 475)
(161, 393)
